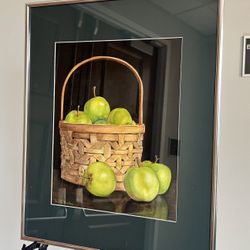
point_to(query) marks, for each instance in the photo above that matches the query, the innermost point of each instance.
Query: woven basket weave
(120, 146)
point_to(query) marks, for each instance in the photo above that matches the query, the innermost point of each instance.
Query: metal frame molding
(216, 133)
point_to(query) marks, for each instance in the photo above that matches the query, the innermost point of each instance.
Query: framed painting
(120, 124)
(132, 138)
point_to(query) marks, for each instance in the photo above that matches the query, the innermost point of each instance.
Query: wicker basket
(120, 146)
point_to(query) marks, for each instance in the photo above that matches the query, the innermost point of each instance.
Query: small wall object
(246, 56)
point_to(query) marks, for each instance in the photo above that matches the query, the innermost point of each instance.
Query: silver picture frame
(217, 94)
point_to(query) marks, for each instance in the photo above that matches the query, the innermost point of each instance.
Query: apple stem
(78, 107)
(94, 89)
(156, 158)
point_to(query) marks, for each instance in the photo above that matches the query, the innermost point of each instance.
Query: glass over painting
(172, 46)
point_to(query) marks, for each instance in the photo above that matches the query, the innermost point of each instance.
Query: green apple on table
(145, 163)
(78, 117)
(120, 116)
(141, 184)
(164, 175)
(97, 108)
(99, 179)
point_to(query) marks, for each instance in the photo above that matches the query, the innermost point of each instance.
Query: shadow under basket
(120, 146)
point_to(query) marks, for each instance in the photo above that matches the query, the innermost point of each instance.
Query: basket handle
(109, 58)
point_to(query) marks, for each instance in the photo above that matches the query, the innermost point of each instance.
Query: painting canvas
(116, 123)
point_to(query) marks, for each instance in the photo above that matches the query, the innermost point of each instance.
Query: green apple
(141, 184)
(99, 179)
(97, 108)
(101, 121)
(78, 117)
(120, 116)
(146, 163)
(164, 175)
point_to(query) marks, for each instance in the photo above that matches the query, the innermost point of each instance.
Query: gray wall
(233, 227)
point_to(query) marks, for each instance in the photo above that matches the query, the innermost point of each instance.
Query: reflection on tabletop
(163, 207)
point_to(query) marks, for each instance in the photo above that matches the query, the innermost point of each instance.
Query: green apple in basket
(141, 184)
(120, 116)
(101, 121)
(78, 117)
(99, 179)
(97, 108)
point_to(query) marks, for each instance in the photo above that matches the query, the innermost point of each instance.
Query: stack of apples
(97, 111)
(141, 183)
(145, 182)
